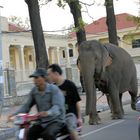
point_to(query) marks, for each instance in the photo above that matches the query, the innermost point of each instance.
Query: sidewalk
(102, 104)
(7, 130)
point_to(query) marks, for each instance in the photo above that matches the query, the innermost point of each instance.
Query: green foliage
(62, 3)
(129, 36)
(81, 25)
(135, 19)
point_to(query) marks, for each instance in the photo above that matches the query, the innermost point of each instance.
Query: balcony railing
(63, 61)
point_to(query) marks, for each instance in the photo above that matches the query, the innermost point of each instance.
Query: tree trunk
(111, 22)
(37, 32)
(76, 12)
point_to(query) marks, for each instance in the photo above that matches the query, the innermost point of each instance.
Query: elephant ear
(109, 61)
(106, 57)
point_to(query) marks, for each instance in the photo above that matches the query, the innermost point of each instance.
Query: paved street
(125, 129)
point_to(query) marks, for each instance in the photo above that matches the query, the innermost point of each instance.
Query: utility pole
(1, 67)
(139, 8)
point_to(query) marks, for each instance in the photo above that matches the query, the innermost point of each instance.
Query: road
(125, 129)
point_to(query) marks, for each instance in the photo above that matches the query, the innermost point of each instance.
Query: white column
(57, 55)
(21, 57)
(1, 65)
(34, 57)
(6, 55)
(22, 72)
(68, 65)
(67, 57)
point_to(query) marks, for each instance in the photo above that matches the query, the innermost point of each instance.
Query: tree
(111, 22)
(75, 9)
(37, 32)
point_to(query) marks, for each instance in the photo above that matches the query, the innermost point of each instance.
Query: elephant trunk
(90, 92)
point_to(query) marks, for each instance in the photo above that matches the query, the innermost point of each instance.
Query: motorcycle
(24, 121)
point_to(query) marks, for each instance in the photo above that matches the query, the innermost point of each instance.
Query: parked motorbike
(24, 121)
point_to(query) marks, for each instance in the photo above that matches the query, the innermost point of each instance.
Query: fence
(18, 82)
(9, 82)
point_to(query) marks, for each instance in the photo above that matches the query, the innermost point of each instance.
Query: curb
(106, 107)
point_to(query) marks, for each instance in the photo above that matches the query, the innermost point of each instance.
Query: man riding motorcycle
(50, 105)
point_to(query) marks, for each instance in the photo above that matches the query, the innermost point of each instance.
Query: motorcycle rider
(50, 105)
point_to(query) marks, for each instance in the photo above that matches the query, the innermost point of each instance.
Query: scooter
(24, 121)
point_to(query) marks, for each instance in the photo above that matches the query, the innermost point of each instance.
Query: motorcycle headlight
(18, 121)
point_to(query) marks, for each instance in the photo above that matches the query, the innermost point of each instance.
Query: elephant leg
(109, 102)
(94, 119)
(87, 103)
(90, 98)
(93, 115)
(116, 107)
(120, 96)
(133, 92)
(133, 99)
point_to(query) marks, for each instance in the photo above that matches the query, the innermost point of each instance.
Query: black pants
(47, 133)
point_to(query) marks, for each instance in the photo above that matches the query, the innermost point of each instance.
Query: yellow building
(19, 55)
(127, 31)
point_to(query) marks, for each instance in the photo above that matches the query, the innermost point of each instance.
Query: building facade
(18, 53)
(128, 35)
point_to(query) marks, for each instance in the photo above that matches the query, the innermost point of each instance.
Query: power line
(24, 31)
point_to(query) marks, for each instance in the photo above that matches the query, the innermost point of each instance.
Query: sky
(55, 18)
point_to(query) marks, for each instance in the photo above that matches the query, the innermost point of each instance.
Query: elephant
(112, 70)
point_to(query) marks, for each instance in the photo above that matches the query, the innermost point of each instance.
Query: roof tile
(123, 21)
